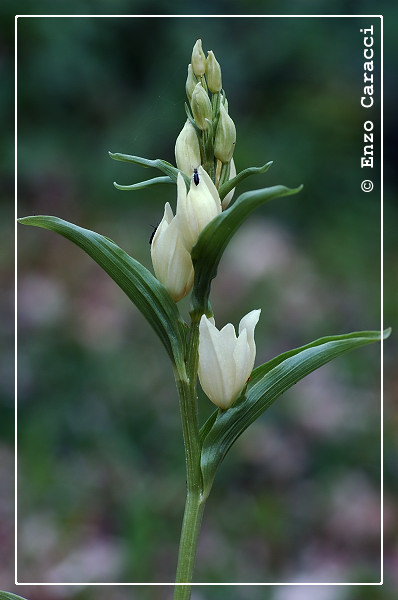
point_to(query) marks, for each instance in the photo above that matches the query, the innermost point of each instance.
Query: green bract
(208, 250)
(157, 163)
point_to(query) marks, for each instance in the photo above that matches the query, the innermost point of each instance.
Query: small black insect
(196, 176)
(153, 233)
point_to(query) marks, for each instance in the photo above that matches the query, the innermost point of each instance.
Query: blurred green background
(101, 469)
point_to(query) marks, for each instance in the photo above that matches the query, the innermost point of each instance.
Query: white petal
(229, 196)
(216, 370)
(181, 189)
(187, 151)
(167, 217)
(180, 271)
(210, 373)
(227, 337)
(171, 261)
(249, 322)
(243, 362)
(203, 202)
(161, 228)
(168, 213)
(205, 177)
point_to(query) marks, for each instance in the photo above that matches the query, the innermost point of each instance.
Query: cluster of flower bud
(210, 137)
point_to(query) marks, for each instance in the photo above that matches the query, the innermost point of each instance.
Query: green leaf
(143, 184)
(147, 293)
(206, 427)
(157, 163)
(267, 383)
(9, 596)
(209, 248)
(229, 185)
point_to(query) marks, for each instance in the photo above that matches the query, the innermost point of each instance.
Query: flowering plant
(186, 249)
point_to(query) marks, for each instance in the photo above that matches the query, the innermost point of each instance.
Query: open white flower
(226, 361)
(171, 260)
(198, 207)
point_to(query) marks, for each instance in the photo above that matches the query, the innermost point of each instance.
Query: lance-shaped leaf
(147, 293)
(211, 243)
(267, 383)
(229, 185)
(143, 184)
(9, 596)
(157, 163)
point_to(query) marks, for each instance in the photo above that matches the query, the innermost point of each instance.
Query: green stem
(194, 508)
(190, 430)
(193, 356)
(186, 385)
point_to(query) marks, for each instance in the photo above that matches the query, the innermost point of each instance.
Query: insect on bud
(213, 73)
(201, 107)
(190, 82)
(198, 59)
(187, 149)
(225, 140)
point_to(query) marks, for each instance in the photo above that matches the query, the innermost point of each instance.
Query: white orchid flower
(198, 207)
(171, 260)
(226, 361)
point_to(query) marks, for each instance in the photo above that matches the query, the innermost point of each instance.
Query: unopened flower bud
(198, 207)
(225, 140)
(225, 102)
(229, 196)
(226, 361)
(201, 107)
(198, 59)
(187, 149)
(171, 261)
(213, 73)
(190, 82)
